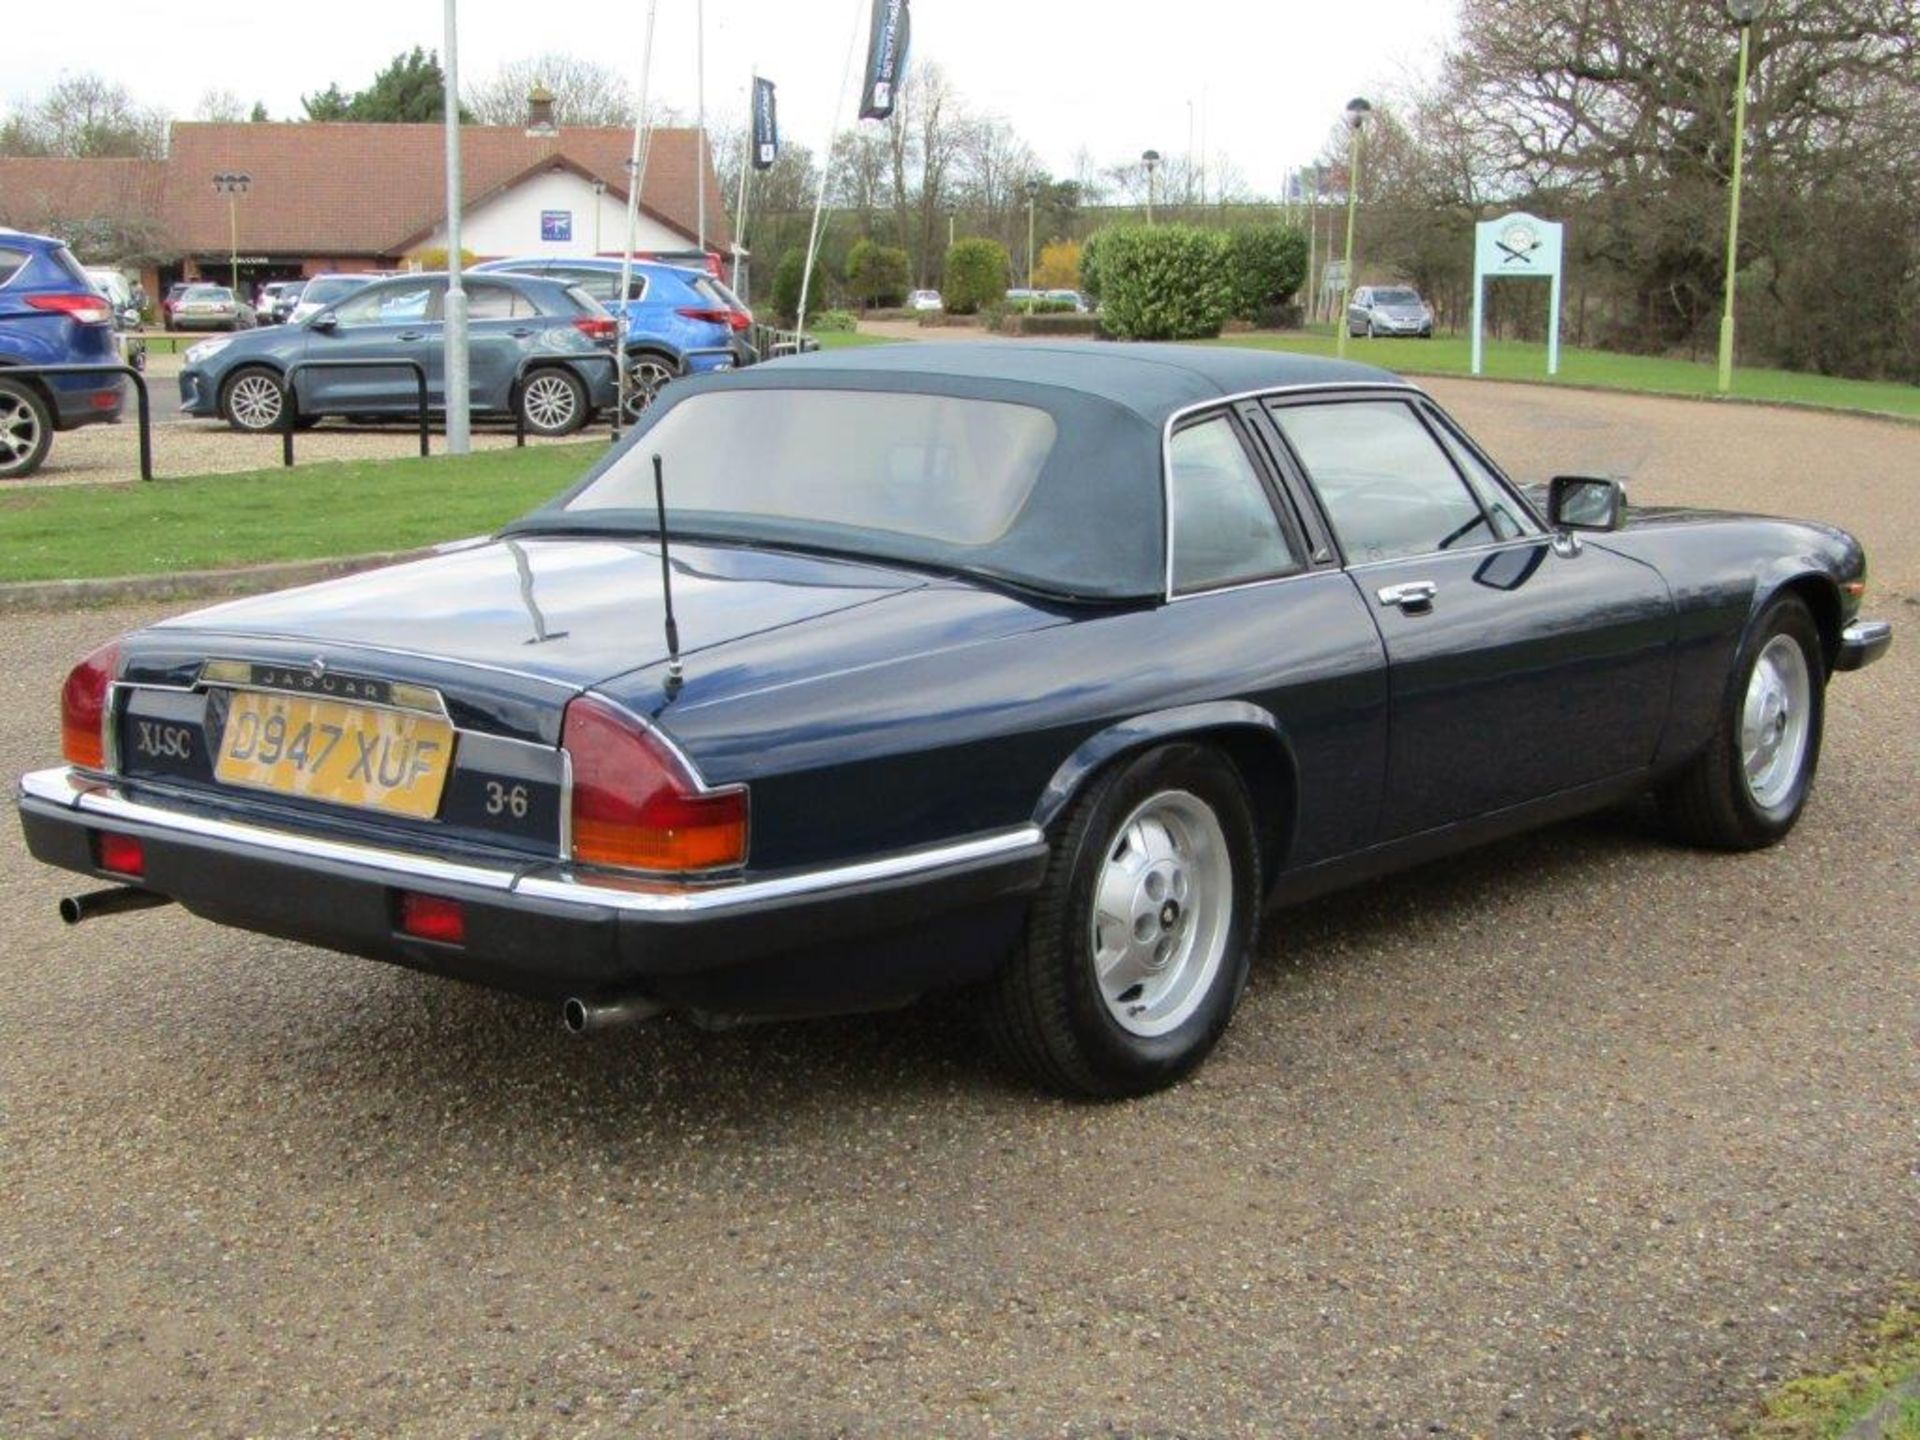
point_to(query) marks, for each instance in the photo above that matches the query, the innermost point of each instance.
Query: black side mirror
(325, 320)
(1585, 502)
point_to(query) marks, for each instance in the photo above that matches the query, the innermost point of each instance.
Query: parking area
(1582, 1134)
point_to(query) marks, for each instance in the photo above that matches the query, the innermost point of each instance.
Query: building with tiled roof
(365, 197)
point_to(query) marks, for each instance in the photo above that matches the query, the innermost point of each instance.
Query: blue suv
(679, 321)
(50, 314)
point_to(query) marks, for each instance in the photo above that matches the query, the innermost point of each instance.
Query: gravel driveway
(1581, 1134)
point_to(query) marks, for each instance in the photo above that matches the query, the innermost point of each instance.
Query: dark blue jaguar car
(541, 349)
(1033, 670)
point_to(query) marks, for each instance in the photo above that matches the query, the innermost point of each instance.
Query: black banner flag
(886, 59)
(766, 128)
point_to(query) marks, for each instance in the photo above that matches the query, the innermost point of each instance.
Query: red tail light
(718, 315)
(86, 309)
(83, 708)
(636, 805)
(597, 327)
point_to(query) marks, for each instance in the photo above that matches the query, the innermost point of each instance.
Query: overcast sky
(1267, 78)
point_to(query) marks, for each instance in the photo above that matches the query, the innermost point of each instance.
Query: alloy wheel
(550, 403)
(646, 377)
(255, 402)
(19, 432)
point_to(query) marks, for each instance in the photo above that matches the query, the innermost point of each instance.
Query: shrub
(976, 275)
(1164, 282)
(786, 286)
(832, 321)
(1090, 266)
(1059, 267)
(877, 274)
(1268, 263)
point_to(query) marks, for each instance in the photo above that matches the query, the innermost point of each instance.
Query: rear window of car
(583, 300)
(11, 263)
(847, 467)
(711, 292)
(208, 292)
(74, 270)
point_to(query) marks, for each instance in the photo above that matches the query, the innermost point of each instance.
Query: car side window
(390, 305)
(1387, 486)
(1224, 526)
(490, 302)
(11, 262)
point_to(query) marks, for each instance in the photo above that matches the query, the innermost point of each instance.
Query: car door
(503, 325)
(391, 320)
(1520, 666)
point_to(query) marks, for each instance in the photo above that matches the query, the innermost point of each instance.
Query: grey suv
(537, 348)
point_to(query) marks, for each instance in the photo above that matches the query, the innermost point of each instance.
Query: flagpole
(826, 167)
(747, 158)
(636, 174)
(700, 123)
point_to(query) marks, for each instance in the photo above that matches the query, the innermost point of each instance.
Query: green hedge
(1268, 264)
(830, 322)
(976, 275)
(1018, 322)
(786, 286)
(1164, 282)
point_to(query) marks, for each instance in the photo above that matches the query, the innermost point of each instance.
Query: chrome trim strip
(688, 900)
(105, 801)
(227, 638)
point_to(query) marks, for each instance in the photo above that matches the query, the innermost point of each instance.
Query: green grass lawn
(1511, 360)
(311, 512)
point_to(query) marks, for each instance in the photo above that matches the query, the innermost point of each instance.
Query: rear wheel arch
(37, 383)
(1250, 737)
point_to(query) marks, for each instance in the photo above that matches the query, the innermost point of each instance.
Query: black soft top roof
(1153, 381)
(1094, 526)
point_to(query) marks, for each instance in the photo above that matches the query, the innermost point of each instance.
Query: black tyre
(553, 401)
(1748, 787)
(253, 401)
(26, 429)
(1137, 947)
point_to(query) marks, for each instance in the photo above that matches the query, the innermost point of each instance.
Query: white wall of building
(510, 223)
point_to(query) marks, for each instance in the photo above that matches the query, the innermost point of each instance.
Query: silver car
(1389, 310)
(211, 307)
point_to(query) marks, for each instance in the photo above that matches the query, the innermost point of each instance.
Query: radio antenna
(666, 581)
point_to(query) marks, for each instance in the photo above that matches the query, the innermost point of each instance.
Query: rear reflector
(433, 917)
(83, 708)
(635, 804)
(121, 854)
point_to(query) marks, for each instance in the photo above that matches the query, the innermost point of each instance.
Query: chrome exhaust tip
(582, 1017)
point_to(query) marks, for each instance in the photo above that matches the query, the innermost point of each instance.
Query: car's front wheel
(553, 402)
(1138, 945)
(253, 400)
(26, 430)
(1748, 787)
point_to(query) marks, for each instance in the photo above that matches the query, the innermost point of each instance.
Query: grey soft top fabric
(1094, 526)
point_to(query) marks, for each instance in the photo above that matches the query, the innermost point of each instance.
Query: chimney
(540, 124)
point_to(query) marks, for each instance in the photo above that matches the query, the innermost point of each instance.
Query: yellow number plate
(348, 754)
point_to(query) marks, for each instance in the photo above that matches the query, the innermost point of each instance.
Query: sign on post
(1518, 247)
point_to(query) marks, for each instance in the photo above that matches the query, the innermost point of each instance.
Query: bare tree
(85, 117)
(220, 107)
(584, 92)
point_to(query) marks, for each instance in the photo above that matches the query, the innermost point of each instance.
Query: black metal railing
(139, 390)
(289, 403)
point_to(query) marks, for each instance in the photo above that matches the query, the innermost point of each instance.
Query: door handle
(409, 335)
(521, 333)
(1413, 596)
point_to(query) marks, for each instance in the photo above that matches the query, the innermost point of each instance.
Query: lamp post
(600, 189)
(1357, 112)
(233, 184)
(951, 214)
(453, 330)
(1742, 13)
(1033, 193)
(1150, 159)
